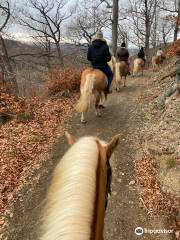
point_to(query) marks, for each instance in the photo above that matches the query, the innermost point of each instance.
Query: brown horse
(76, 200)
(157, 61)
(121, 70)
(93, 83)
(138, 66)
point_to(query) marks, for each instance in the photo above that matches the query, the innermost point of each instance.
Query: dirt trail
(125, 211)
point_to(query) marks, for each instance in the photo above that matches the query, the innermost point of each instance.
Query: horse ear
(112, 145)
(70, 138)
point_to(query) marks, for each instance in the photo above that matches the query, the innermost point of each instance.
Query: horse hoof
(101, 106)
(83, 122)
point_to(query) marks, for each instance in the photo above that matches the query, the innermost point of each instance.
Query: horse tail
(137, 66)
(117, 72)
(84, 102)
(154, 64)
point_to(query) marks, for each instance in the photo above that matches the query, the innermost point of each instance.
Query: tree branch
(6, 10)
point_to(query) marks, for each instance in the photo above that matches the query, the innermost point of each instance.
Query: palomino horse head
(76, 199)
(93, 83)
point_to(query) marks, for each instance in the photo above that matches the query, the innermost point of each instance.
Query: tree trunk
(9, 76)
(60, 56)
(48, 51)
(176, 30)
(115, 26)
(147, 39)
(147, 24)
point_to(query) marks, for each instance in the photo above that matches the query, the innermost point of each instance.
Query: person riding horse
(160, 54)
(141, 54)
(98, 54)
(122, 54)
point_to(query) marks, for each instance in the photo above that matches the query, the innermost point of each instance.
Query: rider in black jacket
(98, 54)
(141, 54)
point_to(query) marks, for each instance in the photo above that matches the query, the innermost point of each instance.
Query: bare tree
(115, 13)
(172, 7)
(90, 18)
(45, 46)
(46, 18)
(143, 14)
(5, 14)
(166, 33)
(9, 77)
(122, 34)
(114, 21)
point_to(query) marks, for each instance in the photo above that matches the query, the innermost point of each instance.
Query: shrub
(63, 80)
(174, 49)
(25, 116)
(170, 162)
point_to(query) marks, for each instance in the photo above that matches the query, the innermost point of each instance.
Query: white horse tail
(154, 62)
(117, 72)
(138, 65)
(84, 102)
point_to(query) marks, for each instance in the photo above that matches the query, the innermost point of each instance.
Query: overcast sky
(18, 32)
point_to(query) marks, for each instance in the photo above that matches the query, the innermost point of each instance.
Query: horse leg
(117, 86)
(102, 100)
(83, 118)
(98, 97)
(125, 81)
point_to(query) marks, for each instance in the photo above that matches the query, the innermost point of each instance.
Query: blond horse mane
(71, 198)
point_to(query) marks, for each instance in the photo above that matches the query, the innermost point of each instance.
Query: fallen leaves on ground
(26, 141)
(155, 200)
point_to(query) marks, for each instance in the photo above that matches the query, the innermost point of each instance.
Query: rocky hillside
(161, 140)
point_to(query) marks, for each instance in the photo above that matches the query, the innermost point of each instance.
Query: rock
(114, 193)
(5, 117)
(132, 182)
(119, 180)
(178, 216)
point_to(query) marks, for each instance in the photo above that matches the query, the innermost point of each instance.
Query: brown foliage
(174, 49)
(63, 80)
(11, 104)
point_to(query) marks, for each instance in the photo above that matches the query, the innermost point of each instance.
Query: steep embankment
(160, 136)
